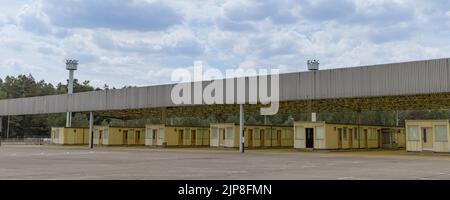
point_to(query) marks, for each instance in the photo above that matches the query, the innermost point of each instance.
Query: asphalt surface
(62, 162)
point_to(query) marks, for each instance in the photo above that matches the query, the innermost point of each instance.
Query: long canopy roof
(398, 86)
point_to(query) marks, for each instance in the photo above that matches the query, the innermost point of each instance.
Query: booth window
(256, 133)
(289, 134)
(345, 134)
(199, 134)
(187, 133)
(371, 134)
(105, 134)
(229, 133)
(413, 133)
(441, 133)
(148, 133)
(275, 135)
(161, 134)
(375, 133)
(214, 133)
(57, 134)
(320, 133)
(268, 133)
(204, 134)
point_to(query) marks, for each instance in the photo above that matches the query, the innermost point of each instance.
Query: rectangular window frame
(161, 133)
(148, 133)
(256, 134)
(344, 134)
(229, 133)
(416, 136)
(268, 134)
(214, 133)
(320, 135)
(438, 137)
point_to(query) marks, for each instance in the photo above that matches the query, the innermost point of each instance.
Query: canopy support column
(91, 130)
(7, 128)
(241, 128)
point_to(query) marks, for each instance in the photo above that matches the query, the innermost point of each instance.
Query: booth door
(154, 137)
(278, 138)
(309, 137)
(180, 137)
(137, 138)
(193, 137)
(386, 140)
(339, 138)
(100, 138)
(221, 137)
(125, 137)
(427, 139)
(366, 138)
(261, 137)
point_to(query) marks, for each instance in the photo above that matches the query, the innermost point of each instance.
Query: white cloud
(249, 63)
(19, 66)
(32, 19)
(112, 14)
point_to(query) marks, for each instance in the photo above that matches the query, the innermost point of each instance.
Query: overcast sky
(140, 42)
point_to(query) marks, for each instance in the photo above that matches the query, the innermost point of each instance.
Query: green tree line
(36, 125)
